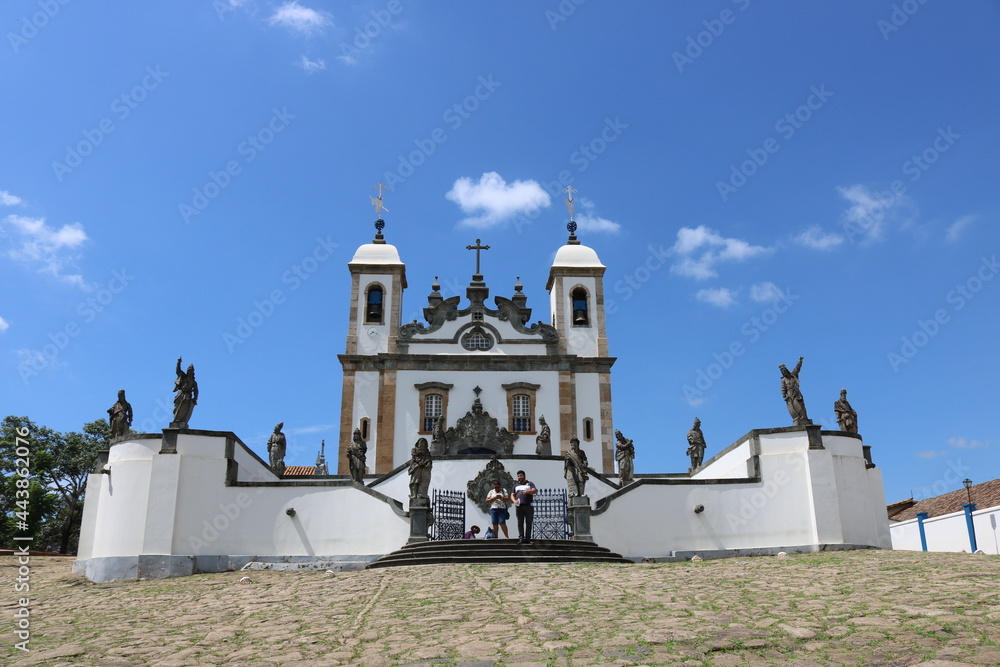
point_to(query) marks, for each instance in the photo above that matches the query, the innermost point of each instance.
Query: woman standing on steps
(497, 499)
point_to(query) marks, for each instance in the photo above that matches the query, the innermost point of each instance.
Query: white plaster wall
(653, 521)
(454, 475)
(949, 532)
(579, 340)
(802, 499)
(178, 504)
(507, 331)
(461, 398)
(498, 349)
(858, 523)
(214, 519)
(987, 523)
(905, 535)
(123, 497)
(876, 499)
(366, 405)
(731, 464)
(588, 404)
(379, 343)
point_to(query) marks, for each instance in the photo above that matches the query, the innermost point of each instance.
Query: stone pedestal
(578, 515)
(420, 519)
(867, 449)
(168, 445)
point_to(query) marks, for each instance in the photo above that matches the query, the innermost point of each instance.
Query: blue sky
(763, 181)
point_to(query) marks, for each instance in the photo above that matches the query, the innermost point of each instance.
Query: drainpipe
(921, 517)
(969, 509)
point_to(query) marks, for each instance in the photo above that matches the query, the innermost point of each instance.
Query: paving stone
(866, 607)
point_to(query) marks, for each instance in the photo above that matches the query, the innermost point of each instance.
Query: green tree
(58, 466)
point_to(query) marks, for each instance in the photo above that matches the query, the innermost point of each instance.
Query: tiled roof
(299, 471)
(984, 495)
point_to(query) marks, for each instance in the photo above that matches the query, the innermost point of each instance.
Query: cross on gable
(477, 248)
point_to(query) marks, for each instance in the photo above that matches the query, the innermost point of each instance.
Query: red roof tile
(983, 495)
(299, 471)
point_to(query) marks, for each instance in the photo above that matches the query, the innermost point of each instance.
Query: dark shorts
(498, 516)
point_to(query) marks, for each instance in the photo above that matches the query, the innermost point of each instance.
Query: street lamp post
(969, 509)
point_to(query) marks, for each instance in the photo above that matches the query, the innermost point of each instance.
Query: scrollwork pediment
(480, 486)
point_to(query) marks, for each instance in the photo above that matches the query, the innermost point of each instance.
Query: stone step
(498, 551)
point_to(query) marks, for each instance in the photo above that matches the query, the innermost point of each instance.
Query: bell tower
(576, 295)
(378, 278)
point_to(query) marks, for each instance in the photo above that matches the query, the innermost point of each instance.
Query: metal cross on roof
(477, 248)
(377, 201)
(569, 190)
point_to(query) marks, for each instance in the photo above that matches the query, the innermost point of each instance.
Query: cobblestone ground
(865, 607)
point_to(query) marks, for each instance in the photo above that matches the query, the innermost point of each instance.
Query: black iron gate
(550, 515)
(448, 510)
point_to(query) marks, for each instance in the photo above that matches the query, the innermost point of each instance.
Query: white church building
(480, 382)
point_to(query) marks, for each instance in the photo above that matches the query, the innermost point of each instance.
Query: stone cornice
(463, 362)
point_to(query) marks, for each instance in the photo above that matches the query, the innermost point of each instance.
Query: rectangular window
(433, 409)
(522, 413)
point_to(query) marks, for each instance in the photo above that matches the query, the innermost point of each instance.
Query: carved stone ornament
(482, 484)
(507, 311)
(477, 430)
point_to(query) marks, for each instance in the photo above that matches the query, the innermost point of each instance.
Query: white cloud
(300, 19)
(929, 454)
(7, 199)
(962, 443)
(312, 66)
(702, 248)
(492, 201)
(766, 292)
(34, 358)
(588, 221)
(34, 242)
(3, 325)
(723, 297)
(817, 239)
(870, 213)
(306, 430)
(956, 228)
(348, 59)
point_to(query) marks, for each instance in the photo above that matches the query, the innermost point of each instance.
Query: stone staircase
(498, 551)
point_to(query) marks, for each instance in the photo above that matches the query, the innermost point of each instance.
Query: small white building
(943, 523)
(476, 380)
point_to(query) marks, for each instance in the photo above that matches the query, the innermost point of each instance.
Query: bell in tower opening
(581, 317)
(373, 313)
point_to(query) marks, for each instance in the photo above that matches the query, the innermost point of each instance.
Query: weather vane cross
(377, 201)
(569, 190)
(477, 248)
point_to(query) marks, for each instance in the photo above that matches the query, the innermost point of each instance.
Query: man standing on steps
(524, 494)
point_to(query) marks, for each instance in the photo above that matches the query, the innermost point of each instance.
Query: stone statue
(276, 448)
(543, 442)
(185, 396)
(120, 416)
(793, 395)
(356, 455)
(575, 468)
(846, 416)
(438, 441)
(624, 454)
(420, 469)
(696, 445)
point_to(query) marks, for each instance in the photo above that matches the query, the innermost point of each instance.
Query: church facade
(489, 391)
(434, 379)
